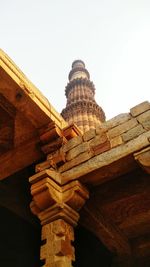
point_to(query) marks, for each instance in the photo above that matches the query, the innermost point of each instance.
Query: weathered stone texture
(134, 132)
(74, 152)
(72, 143)
(122, 128)
(144, 119)
(57, 250)
(101, 129)
(89, 135)
(42, 166)
(99, 139)
(117, 120)
(116, 141)
(108, 157)
(143, 158)
(76, 161)
(98, 149)
(142, 107)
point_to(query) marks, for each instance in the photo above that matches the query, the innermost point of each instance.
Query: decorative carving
(79, 81)
(57, 249)
(47, 193)
(80, 99)
(57, 208)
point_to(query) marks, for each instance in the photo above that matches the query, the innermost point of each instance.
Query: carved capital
(57, 208)
(52, 201)
(143, 159)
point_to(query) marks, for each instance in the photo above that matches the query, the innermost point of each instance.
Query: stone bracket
(143, 159)
(52, 201)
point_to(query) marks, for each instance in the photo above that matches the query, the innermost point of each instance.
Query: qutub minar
(81, 107)
(74, 190)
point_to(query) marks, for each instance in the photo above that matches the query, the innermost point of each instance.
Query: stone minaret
(81, 107)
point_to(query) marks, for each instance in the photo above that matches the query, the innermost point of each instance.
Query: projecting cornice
(25, 96)
(24, 114)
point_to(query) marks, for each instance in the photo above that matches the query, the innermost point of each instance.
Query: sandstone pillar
(57, 207)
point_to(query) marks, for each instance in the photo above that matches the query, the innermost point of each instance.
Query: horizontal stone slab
(144, 119)
(133, 133)
(117, 120)
(122, 128)
(106, 158)
(72, 143)
(138, 109)
(74, 152)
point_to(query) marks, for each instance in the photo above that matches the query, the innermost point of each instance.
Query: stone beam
(19, 158)
(25, 96)
(143, 159)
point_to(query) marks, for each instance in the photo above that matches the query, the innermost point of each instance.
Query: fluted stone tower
(81, 107)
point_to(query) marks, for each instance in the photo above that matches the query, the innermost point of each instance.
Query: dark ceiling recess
(89, 250)
(19, 241)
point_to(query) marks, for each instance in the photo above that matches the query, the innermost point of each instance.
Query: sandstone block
(116, 141)
(134, 132)
(89, 135)
(101, 148)
(106, 158)
(76, 161)
(117, 120)
(99, 139)
(72, 143)
(144, 119)
(142, 107)
(143, 158)
(122, 128)
(100, 130)
(74, 152)
(42, 166)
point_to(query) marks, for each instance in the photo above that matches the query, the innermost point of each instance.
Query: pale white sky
(112, 37)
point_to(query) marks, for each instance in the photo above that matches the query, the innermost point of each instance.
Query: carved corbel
(57, 208)
(143, 159)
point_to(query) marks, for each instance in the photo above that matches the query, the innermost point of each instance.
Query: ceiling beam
(20, 157)
(110, 235)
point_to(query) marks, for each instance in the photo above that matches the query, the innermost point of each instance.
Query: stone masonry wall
(115, 132)
(116, 138)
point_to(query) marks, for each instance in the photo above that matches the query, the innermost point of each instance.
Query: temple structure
(71, 197)
(81, 107)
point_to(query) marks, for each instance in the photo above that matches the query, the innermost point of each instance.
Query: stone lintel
(143, 158)
(105, 159)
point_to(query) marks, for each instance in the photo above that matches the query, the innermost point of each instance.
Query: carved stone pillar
(57, 207)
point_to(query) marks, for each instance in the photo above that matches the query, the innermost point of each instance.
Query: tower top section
(81, 107)
(78, 70)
